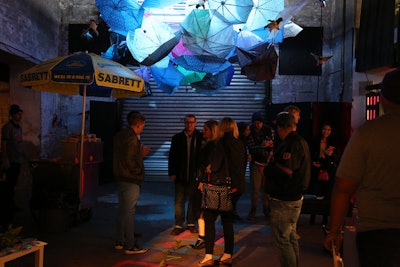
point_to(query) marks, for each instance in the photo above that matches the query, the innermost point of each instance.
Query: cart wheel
(85, 214)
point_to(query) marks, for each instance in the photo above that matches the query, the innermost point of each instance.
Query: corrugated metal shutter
(165, 113)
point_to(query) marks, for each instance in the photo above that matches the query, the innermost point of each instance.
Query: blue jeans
(128, 196)
(183, 193)
(257, 180)
(283, 220)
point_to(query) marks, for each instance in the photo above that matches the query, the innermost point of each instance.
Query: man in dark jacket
(288, 176)
(129, 173)
(183, 155)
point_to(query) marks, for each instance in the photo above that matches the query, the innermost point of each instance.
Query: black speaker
(295, 53)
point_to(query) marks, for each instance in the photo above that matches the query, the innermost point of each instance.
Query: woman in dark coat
(325, 157)
(226, 160)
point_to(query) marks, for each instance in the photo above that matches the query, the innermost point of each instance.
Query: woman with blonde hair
(226, 160)
(210, 136)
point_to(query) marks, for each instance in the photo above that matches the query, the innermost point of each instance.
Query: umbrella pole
(82, 141)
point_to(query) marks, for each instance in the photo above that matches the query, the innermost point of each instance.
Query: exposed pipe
(343, 52)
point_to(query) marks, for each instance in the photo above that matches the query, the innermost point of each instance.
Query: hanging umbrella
(206, 35)
(190, 76)
(203, 63)
(144, 73)
(291, 10)
(275, 36)
(291, 29)
(262, 12)
(213, 83)
(85, 74)
(234, 11)
(159, 3)
(247, 39)
(121, 15)
(180, 50)
(258, 63)
(152, 42)
(168, 79)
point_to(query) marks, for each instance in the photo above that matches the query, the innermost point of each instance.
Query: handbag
(216, 197)
(323, 175)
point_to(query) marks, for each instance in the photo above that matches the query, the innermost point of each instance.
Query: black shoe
(200, 244)
(177, 231)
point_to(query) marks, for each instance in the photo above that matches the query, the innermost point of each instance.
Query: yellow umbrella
(86, 74)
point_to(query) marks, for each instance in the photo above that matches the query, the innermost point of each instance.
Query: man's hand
(333, 238)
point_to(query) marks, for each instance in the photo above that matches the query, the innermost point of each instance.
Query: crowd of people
(283, 166)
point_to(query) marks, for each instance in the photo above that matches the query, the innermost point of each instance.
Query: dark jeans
(379, 248)
(210, 217)
(183, 193)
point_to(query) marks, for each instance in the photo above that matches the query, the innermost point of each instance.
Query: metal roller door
(165, 113)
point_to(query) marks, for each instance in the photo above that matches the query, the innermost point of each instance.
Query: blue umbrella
(168, 79)
(247, 39)
(159, 3)
(144, 73)
(263, 10)
(121, 15)
(190, 76)
(213, 83)
(152, 42)
(234, 11)
(206, 35)
(203, 63)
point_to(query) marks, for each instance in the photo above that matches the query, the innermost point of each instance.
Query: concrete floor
(90, 243)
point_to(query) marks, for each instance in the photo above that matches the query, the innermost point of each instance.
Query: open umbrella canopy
(180, 50)
(144, 73)
(291, 10)
(263, 10)
(259, 62)
(68, 74)
(190, 76)
(207, 35)
(203, 63)
(88, 74)
(247, 39)
(152, 42)
(234, 11)
(213, 83)
(291, 29)
(121, 15)
(167, 79)
(159, 3)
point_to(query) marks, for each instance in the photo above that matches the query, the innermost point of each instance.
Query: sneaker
(119, 245)
(177, 231)
(136, 250)
(193, 229)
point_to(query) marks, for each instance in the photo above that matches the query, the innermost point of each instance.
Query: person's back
(377, 197)
(369, 169)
